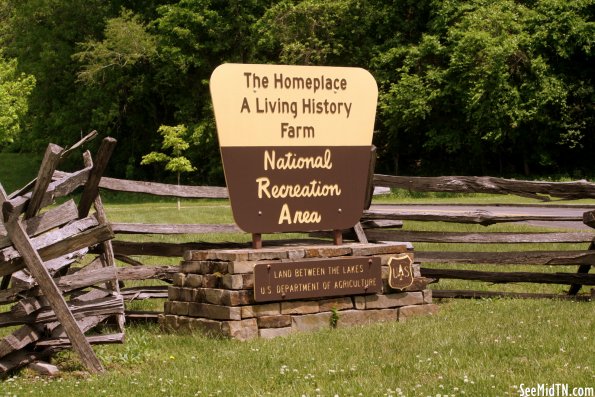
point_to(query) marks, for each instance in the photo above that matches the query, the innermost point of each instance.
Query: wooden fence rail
(383, 225)
(487, 184)
(544, 191)
(378, 225)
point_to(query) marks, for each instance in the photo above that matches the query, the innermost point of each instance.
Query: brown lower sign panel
(296, 189)
(278, 281)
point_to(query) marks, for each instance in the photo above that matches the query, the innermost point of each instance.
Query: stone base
(214, 294)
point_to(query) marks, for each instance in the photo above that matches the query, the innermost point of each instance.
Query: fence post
(589, 220)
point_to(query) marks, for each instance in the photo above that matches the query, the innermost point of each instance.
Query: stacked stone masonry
(214, 293)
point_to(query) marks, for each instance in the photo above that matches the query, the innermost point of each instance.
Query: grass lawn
(470, 348)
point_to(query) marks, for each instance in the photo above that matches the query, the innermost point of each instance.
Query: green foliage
(481, 83)
(470, 87)
(173, 140)
(126, 44)
(316, 33)
(16, 170)
(15, 89)
(42, 35)
(334, 320)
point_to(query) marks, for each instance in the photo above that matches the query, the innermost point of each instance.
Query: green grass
(470, 348)
(16, 170)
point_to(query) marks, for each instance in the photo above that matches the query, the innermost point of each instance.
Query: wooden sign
(278, 281)
(295, 143)
(400, 271)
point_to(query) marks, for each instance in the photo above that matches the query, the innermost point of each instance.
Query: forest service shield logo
(400, 275)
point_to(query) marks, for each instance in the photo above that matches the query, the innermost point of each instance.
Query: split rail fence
(56, 294)
(374, 226)
(583, 259)
(383, 226)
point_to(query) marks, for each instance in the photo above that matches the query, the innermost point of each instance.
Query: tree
(174, 139)
(15, 89)
(116, 75)
(314, 32)
(477, 89)
(466, 86)
(42, 35)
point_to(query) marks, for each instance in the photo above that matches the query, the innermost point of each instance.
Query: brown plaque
(278, 281)
(400, 275)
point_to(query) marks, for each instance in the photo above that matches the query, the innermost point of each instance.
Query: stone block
(380, 249)
(393, 300)
(238, 298)
(202, 281)
(179, 279)
(214, 312)
(240, 267)
(279, 321)
(406, 312)
(173, 293)
(416, 270)
(204, 267)
(427, 296)
(232, 255)
(195, 255)
(350, 318)
(214, 296)
(270, 333)
(193, 280)
(212, 280)
(311, 322)
(210, 327)
(169, 323)
(194, 267)
(44, 369)
(267, 309)
(190, 295)
(178, 308)
(268, 254)
(237, 281)
(227, 297)
(343, 303)
(233, 281)
(296, 254)
(299, 307)
(248, 281)
(419, 284)
(205, 255)
(359, 302)
(183, 324)
(326, 251)
(240, 330)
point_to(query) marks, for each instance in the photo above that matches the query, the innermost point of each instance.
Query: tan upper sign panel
(280, 105)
